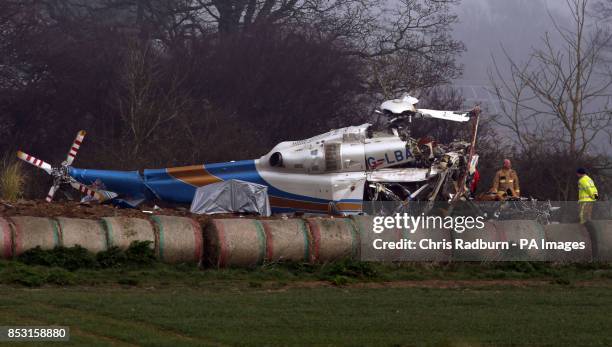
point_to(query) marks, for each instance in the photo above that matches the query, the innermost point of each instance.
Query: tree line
(161, 83)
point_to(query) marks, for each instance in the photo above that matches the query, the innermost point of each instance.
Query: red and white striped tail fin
(52, 191)
(75, 147)
(34, 161)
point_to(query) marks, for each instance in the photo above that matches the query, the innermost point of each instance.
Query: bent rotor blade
(100, 195)
(52, 191)
(34, 161)
(75, 147)
(86, 190)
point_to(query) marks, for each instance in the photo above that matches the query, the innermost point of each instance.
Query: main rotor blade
(86, 190)
(75, 147)
(100, 195)
(52, 191)
(34, 161)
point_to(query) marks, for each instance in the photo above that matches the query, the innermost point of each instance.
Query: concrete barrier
(568, 233)
(250, 242)
(601, 238)
(180, 239)
(514, 231)
(427, 244)
(496, 236)
(489, 235)
(32, 232)
(333, 239)
(369, 240)
(430, 245)
(122, 231)
(286, 240)
(6, 239)
(234, 242)
(87, 233)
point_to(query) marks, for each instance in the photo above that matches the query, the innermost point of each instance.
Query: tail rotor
(61, 174)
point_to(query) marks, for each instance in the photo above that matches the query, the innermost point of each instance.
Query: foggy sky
(485, 25)
(517, 25)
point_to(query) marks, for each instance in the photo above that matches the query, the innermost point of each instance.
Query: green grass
(238, 315)
(72, 267)
(129, 298)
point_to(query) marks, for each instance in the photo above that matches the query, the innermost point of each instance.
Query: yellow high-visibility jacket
(586, 189)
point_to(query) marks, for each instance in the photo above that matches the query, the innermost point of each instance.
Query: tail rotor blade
(34, 161)
(75, 147)
(52, 192)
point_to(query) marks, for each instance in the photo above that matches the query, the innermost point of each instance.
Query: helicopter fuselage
(302, 176)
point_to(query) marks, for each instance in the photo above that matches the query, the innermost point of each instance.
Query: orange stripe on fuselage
(312, 206)
(297, 204)
(195, 175)
(349, 206)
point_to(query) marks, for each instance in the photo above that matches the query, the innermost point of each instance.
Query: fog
(485, 26)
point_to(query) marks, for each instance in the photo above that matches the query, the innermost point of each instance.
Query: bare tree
(558, 93)
(559, 98)
(138, 72)
(406, 43)
(147, 100)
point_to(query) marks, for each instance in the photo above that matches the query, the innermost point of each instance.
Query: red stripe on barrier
(501, 234)
(17, 241)
(398, 237)
(28, 157)
(8, 246)
(269, 241)
(222, 246)
(77, 142)
(197, 236)
(75, 149)
(584, 232)
(316, 240)
(71, 155)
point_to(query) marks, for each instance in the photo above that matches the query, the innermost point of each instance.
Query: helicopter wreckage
(336, 172)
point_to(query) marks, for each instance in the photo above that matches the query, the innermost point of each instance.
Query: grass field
(132, 299)
(235, 314)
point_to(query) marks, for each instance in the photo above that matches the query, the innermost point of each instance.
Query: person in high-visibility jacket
(587, 194)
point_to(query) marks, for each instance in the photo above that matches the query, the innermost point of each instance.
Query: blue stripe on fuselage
(169, 188)
(128, 183)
